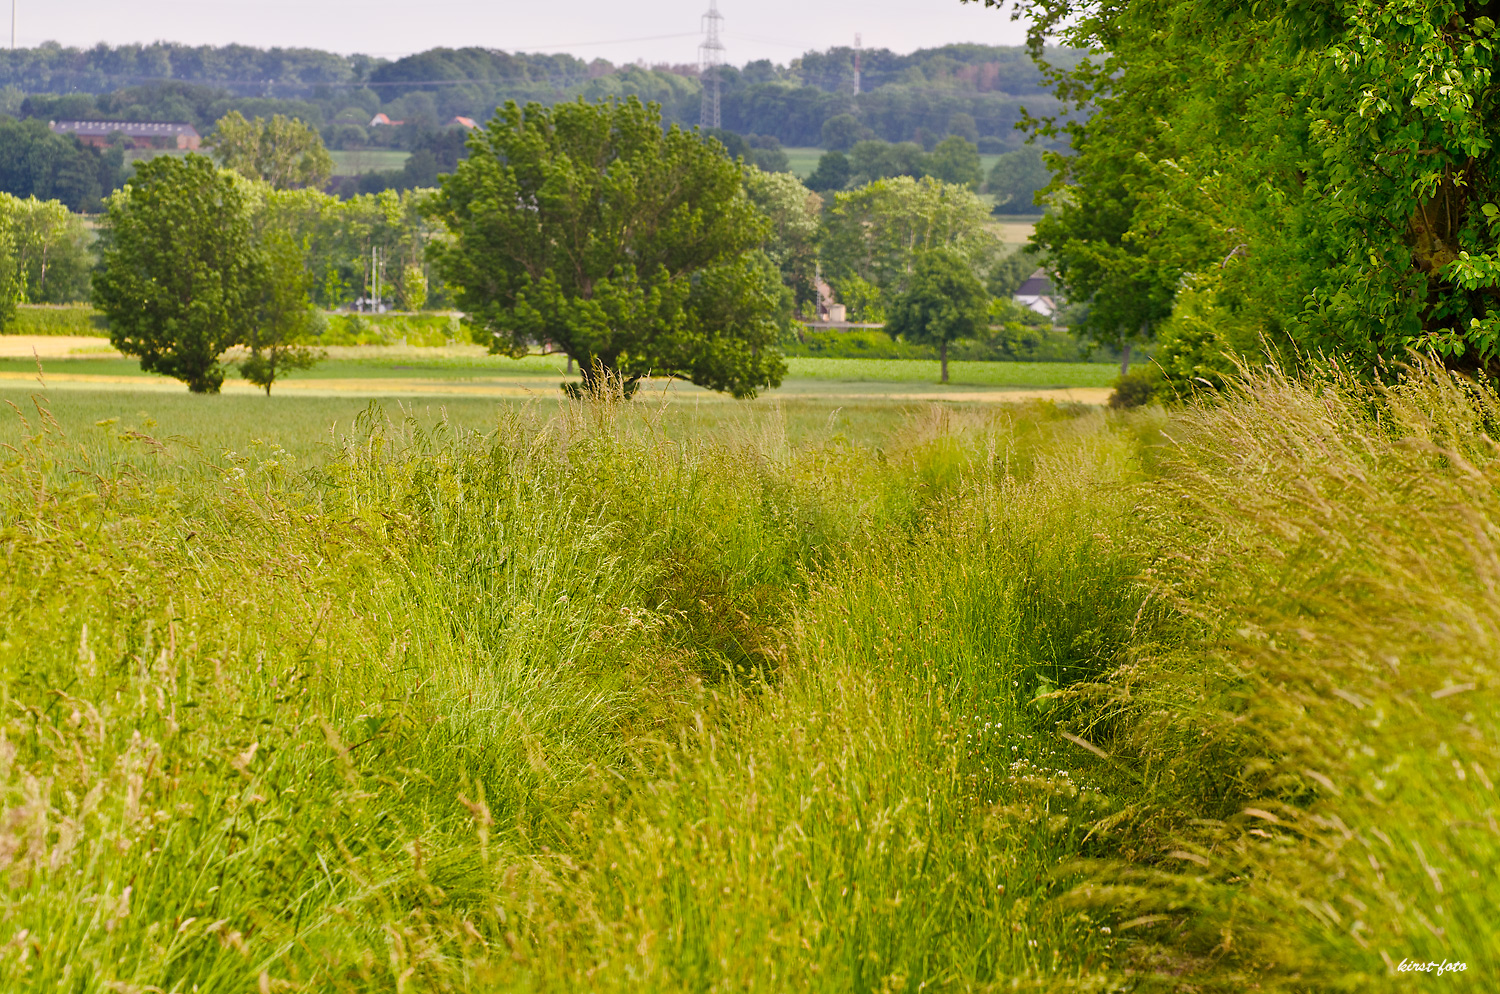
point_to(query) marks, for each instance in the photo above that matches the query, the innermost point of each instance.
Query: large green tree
(283, 151)
(873, 236)
(1323, 176)
(943, 302)
(181, 275)
(632, 248)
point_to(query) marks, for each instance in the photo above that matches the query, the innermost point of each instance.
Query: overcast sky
(618, 30)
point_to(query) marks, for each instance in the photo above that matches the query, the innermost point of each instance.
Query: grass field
(803, 160)
(309, 694)
(472, 364)
(354, 162)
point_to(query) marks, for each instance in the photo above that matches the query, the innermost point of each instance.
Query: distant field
(803, 160)
(354, 162)
(469, 364)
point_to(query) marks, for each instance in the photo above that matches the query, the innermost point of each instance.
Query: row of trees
(971, 90)
(585, 227)
(1014, 179)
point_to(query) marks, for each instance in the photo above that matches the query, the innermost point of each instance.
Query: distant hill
(975, 90)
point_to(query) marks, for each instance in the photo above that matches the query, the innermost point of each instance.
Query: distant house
(137, 134)
(463, 122)
(1037, 293)
(380, 120)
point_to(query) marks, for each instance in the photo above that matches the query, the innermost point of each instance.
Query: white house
(1037, 293)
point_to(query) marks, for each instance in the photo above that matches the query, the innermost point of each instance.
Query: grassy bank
(55, 319)
(618, 697)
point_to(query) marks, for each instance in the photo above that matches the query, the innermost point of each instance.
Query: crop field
(314, 693)
(354, 162)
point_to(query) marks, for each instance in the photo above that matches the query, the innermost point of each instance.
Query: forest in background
(976, 91)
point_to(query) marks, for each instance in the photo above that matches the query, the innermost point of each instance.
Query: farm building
(137, 134)
(1038, 294)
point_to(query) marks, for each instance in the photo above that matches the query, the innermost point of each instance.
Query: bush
(1136, 388)
(57, 319)
(420, 330)
(1010, 342)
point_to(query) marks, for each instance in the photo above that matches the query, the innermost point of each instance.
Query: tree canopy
(1323, 178)
(874, 234)
(632, 248)
(282, 152)
(35, 162)
(943, 302)
(795, 213)
(181, 275)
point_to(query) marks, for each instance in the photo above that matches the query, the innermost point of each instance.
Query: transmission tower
(857, 48)
(710, 57)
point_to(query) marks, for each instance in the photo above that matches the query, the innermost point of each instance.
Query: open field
(354, 162)
(803, 160)
(553, 695)
(373, 371)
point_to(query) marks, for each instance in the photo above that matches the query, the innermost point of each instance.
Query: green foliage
(1008, 342)
(282, 152)
(1244, 141)
(872, 236)
(841, 131)
(12, 278)
(795, 213)
(1136, 388)
(831, 174)
(411, 291)
(34, 162)
(1015, 178)
(1007, 274)
(285, 314)
(52, 250)
(630, 248)
(56, 319)
(956, 160)
(943, 301)
(181, 276)
(420, 330)
(873, 160)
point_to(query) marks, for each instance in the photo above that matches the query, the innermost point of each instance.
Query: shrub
(418, 330)
(1137, 387)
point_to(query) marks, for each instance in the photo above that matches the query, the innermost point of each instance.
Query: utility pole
(710, 57)
(857, 49)
(13, 24)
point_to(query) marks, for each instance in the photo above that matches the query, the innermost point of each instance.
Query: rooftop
(131, 129)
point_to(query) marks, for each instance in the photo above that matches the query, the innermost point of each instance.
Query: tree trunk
(943, 350)
(1125, 359)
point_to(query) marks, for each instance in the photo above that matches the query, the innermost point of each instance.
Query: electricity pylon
(710, 57)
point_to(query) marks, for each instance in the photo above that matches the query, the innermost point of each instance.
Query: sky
(617, 30)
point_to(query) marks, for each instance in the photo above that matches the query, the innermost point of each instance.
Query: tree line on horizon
(904, 97)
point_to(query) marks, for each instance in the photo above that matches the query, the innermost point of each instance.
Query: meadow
(320, 695)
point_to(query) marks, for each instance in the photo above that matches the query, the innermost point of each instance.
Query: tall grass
(1021, 700)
